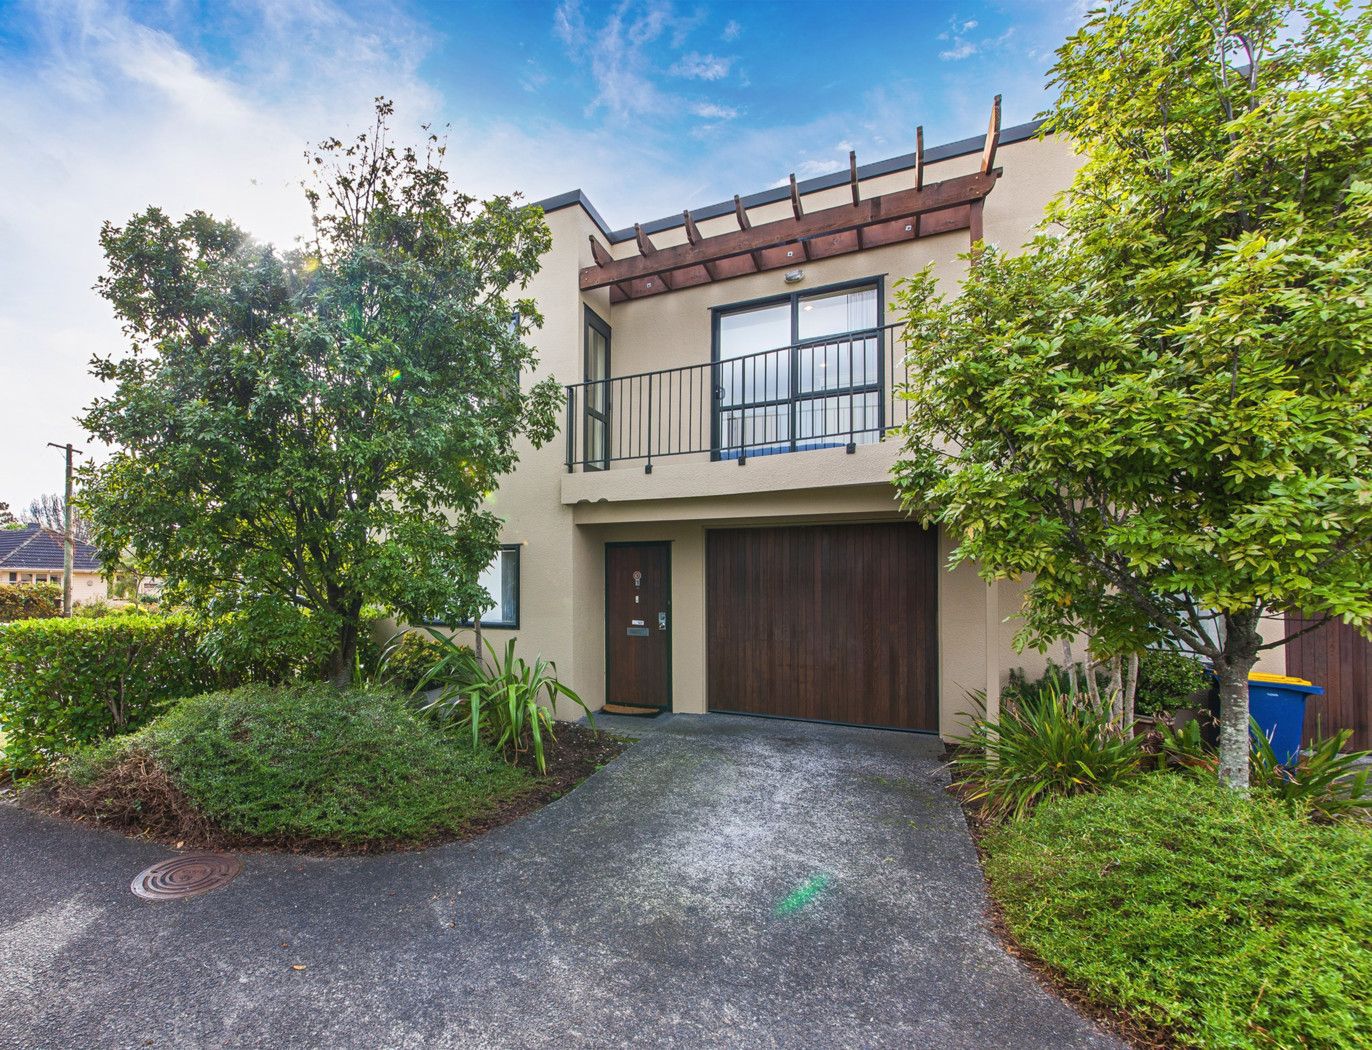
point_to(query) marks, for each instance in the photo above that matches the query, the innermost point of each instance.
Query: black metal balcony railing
(837, 391)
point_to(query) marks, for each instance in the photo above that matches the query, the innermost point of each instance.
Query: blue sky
(650, 106)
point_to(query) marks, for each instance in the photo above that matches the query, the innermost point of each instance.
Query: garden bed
(1176, 914)
(310, 770)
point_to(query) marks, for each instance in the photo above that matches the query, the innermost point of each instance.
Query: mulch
(1128, 1028)
(137, 798)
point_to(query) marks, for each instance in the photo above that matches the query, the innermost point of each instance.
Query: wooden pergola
(889, 218)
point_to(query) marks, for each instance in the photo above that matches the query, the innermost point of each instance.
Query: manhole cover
(185, 876)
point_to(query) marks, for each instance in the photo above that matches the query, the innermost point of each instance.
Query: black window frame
(497, 625)
(590, 416)
(795, 397)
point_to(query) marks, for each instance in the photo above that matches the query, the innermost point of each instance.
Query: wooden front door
(638, 634)
(836, 623)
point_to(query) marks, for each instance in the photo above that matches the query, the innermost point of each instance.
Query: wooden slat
(618, 291)
(750, 239)
(742, 214)
(1338, 658)
(853, 177)
(919, 168)
(919, 157)
(988, 152)
(599, 253)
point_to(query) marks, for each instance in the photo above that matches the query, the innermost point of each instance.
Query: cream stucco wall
(563, 520)
(85, 586)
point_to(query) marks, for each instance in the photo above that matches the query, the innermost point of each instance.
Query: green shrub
(509, 703)
(306, 764)
(36, 601)
(1230, 921)
(67, 683)
(1041, 748)
(1167, 680)
(412, 660)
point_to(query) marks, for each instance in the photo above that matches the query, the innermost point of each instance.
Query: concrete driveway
(727, 882)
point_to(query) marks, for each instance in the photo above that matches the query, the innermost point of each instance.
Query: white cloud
(569, 24)
(711, 111)
(731, 32)
(695, 66)
(963, 49)
(964, 46)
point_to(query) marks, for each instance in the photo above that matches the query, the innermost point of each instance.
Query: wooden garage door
(829, 622)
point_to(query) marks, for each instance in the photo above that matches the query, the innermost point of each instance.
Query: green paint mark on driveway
(802, 895)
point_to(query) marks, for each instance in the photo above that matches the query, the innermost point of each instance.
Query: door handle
(662, 621)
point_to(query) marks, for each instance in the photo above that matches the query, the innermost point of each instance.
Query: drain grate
(185, 876)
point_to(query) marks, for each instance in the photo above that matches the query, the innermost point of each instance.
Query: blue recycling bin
(1277, 704)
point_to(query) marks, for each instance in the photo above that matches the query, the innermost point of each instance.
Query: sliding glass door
(799, 372)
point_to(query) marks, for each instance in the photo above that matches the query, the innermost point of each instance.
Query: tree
(49, 511)
(1162, 408)
(7, 518)
(319, 428)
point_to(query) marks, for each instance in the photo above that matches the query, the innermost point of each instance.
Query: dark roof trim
(905, 162)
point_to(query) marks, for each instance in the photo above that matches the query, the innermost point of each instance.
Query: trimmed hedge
(65, 683)
(68, 683)
(30, 601)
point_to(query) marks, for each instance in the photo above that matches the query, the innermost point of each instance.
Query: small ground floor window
(501, 581)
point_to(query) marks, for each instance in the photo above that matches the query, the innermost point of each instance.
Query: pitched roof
(34, 547)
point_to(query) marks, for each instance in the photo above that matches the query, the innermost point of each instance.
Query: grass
(298, 765)
(1225, 921)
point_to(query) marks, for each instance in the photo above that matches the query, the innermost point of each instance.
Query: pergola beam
(745, 224)
(753, 240)
(799, 211)
(693, 237)
(602, 257)
(988, 153)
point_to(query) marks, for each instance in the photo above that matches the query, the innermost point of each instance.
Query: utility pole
(69, 541)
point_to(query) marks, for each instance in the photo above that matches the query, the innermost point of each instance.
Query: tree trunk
(343, 661)
(1240, 653)
(1070, 667)
(1117, 691)
(1088, 670)
(1131, 686)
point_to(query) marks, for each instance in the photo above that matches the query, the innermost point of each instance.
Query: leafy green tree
(319, 428)
(1162, 408)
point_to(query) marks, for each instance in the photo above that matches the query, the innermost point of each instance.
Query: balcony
(835, 392)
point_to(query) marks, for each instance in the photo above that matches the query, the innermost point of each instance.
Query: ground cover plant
(1212, 918)
(301, 766)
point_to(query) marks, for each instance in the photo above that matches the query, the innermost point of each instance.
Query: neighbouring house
(715, 530)
(33, 554)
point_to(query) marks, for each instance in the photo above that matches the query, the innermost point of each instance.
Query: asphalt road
(727, 882)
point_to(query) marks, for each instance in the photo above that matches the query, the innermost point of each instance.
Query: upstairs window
(799, 372)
